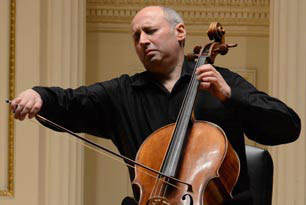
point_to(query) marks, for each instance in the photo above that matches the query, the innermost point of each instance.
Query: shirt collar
(188, 67)
(144, 78)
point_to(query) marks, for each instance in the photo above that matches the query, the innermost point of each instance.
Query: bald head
(172, 17)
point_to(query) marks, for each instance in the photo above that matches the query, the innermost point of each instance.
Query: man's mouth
(149, 51)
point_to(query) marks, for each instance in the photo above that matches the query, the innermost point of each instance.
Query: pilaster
(287, 82)
(62, 64)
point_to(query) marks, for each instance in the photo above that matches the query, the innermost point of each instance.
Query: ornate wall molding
(9, 191)
(242, 17)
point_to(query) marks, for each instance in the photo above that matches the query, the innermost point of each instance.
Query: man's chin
(151, 58)
(153, 61)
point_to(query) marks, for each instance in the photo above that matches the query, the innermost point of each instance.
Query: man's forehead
(150, 10)
(148, 16)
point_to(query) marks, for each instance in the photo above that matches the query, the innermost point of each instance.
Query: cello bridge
(158, 201)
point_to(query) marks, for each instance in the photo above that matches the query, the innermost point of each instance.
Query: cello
(195, 153)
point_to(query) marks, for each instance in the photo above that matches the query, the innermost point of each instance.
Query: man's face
(155, 41)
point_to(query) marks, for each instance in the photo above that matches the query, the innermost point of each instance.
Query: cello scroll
(216, 33)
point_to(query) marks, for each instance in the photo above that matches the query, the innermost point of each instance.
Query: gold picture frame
(9, 191)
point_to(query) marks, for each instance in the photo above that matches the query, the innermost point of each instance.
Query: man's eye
(151, 31)
(136, 36)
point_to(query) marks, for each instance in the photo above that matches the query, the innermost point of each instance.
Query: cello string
(201, 61)
(154, 191)
(178, 122)
(189, 88)
(142, 170)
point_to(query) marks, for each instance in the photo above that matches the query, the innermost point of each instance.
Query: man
(128, 109)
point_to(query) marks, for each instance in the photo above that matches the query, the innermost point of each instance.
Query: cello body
(208, 162)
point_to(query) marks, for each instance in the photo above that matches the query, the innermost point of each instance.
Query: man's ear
(180, 32)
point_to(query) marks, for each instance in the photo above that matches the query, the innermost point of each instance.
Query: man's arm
(265, 119)
(85, 109)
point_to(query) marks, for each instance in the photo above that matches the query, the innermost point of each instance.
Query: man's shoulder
(125, 81)
(134, 78)
(224, 70)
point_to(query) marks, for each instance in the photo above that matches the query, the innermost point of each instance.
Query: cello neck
(183, 121)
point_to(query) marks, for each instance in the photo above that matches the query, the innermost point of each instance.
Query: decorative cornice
(244, 16)
(207, 3)
(9, 191)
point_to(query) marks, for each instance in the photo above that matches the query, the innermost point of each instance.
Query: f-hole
(189, 199)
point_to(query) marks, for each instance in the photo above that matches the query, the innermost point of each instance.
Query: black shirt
(129, 108)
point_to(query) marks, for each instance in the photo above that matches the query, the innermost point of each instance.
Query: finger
(205, 74)
(20, 104)
(26, 109)
(14, 103)
(35, 109)
(19, 108)
(205, 86)
(212, 80)
(205, 68)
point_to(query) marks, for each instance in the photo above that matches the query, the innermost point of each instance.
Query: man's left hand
(212, 81)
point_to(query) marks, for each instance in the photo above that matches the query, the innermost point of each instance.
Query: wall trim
(244, 18)
(9, 191)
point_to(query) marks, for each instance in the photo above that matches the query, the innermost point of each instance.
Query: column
(62, 64)
(287, 82)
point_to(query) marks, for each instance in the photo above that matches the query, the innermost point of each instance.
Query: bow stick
(61, 128)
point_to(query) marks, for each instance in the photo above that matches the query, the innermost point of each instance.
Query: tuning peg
(195, 54)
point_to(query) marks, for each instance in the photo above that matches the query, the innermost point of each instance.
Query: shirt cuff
(43, 94)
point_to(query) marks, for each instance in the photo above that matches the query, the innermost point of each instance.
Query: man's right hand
(26, 103)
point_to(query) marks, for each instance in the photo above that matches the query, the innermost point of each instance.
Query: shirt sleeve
(265, 119)
(85, 109)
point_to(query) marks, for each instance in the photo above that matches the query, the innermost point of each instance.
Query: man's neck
(172, 78)
(169, 79)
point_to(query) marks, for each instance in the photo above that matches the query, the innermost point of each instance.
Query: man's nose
(144, 39)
